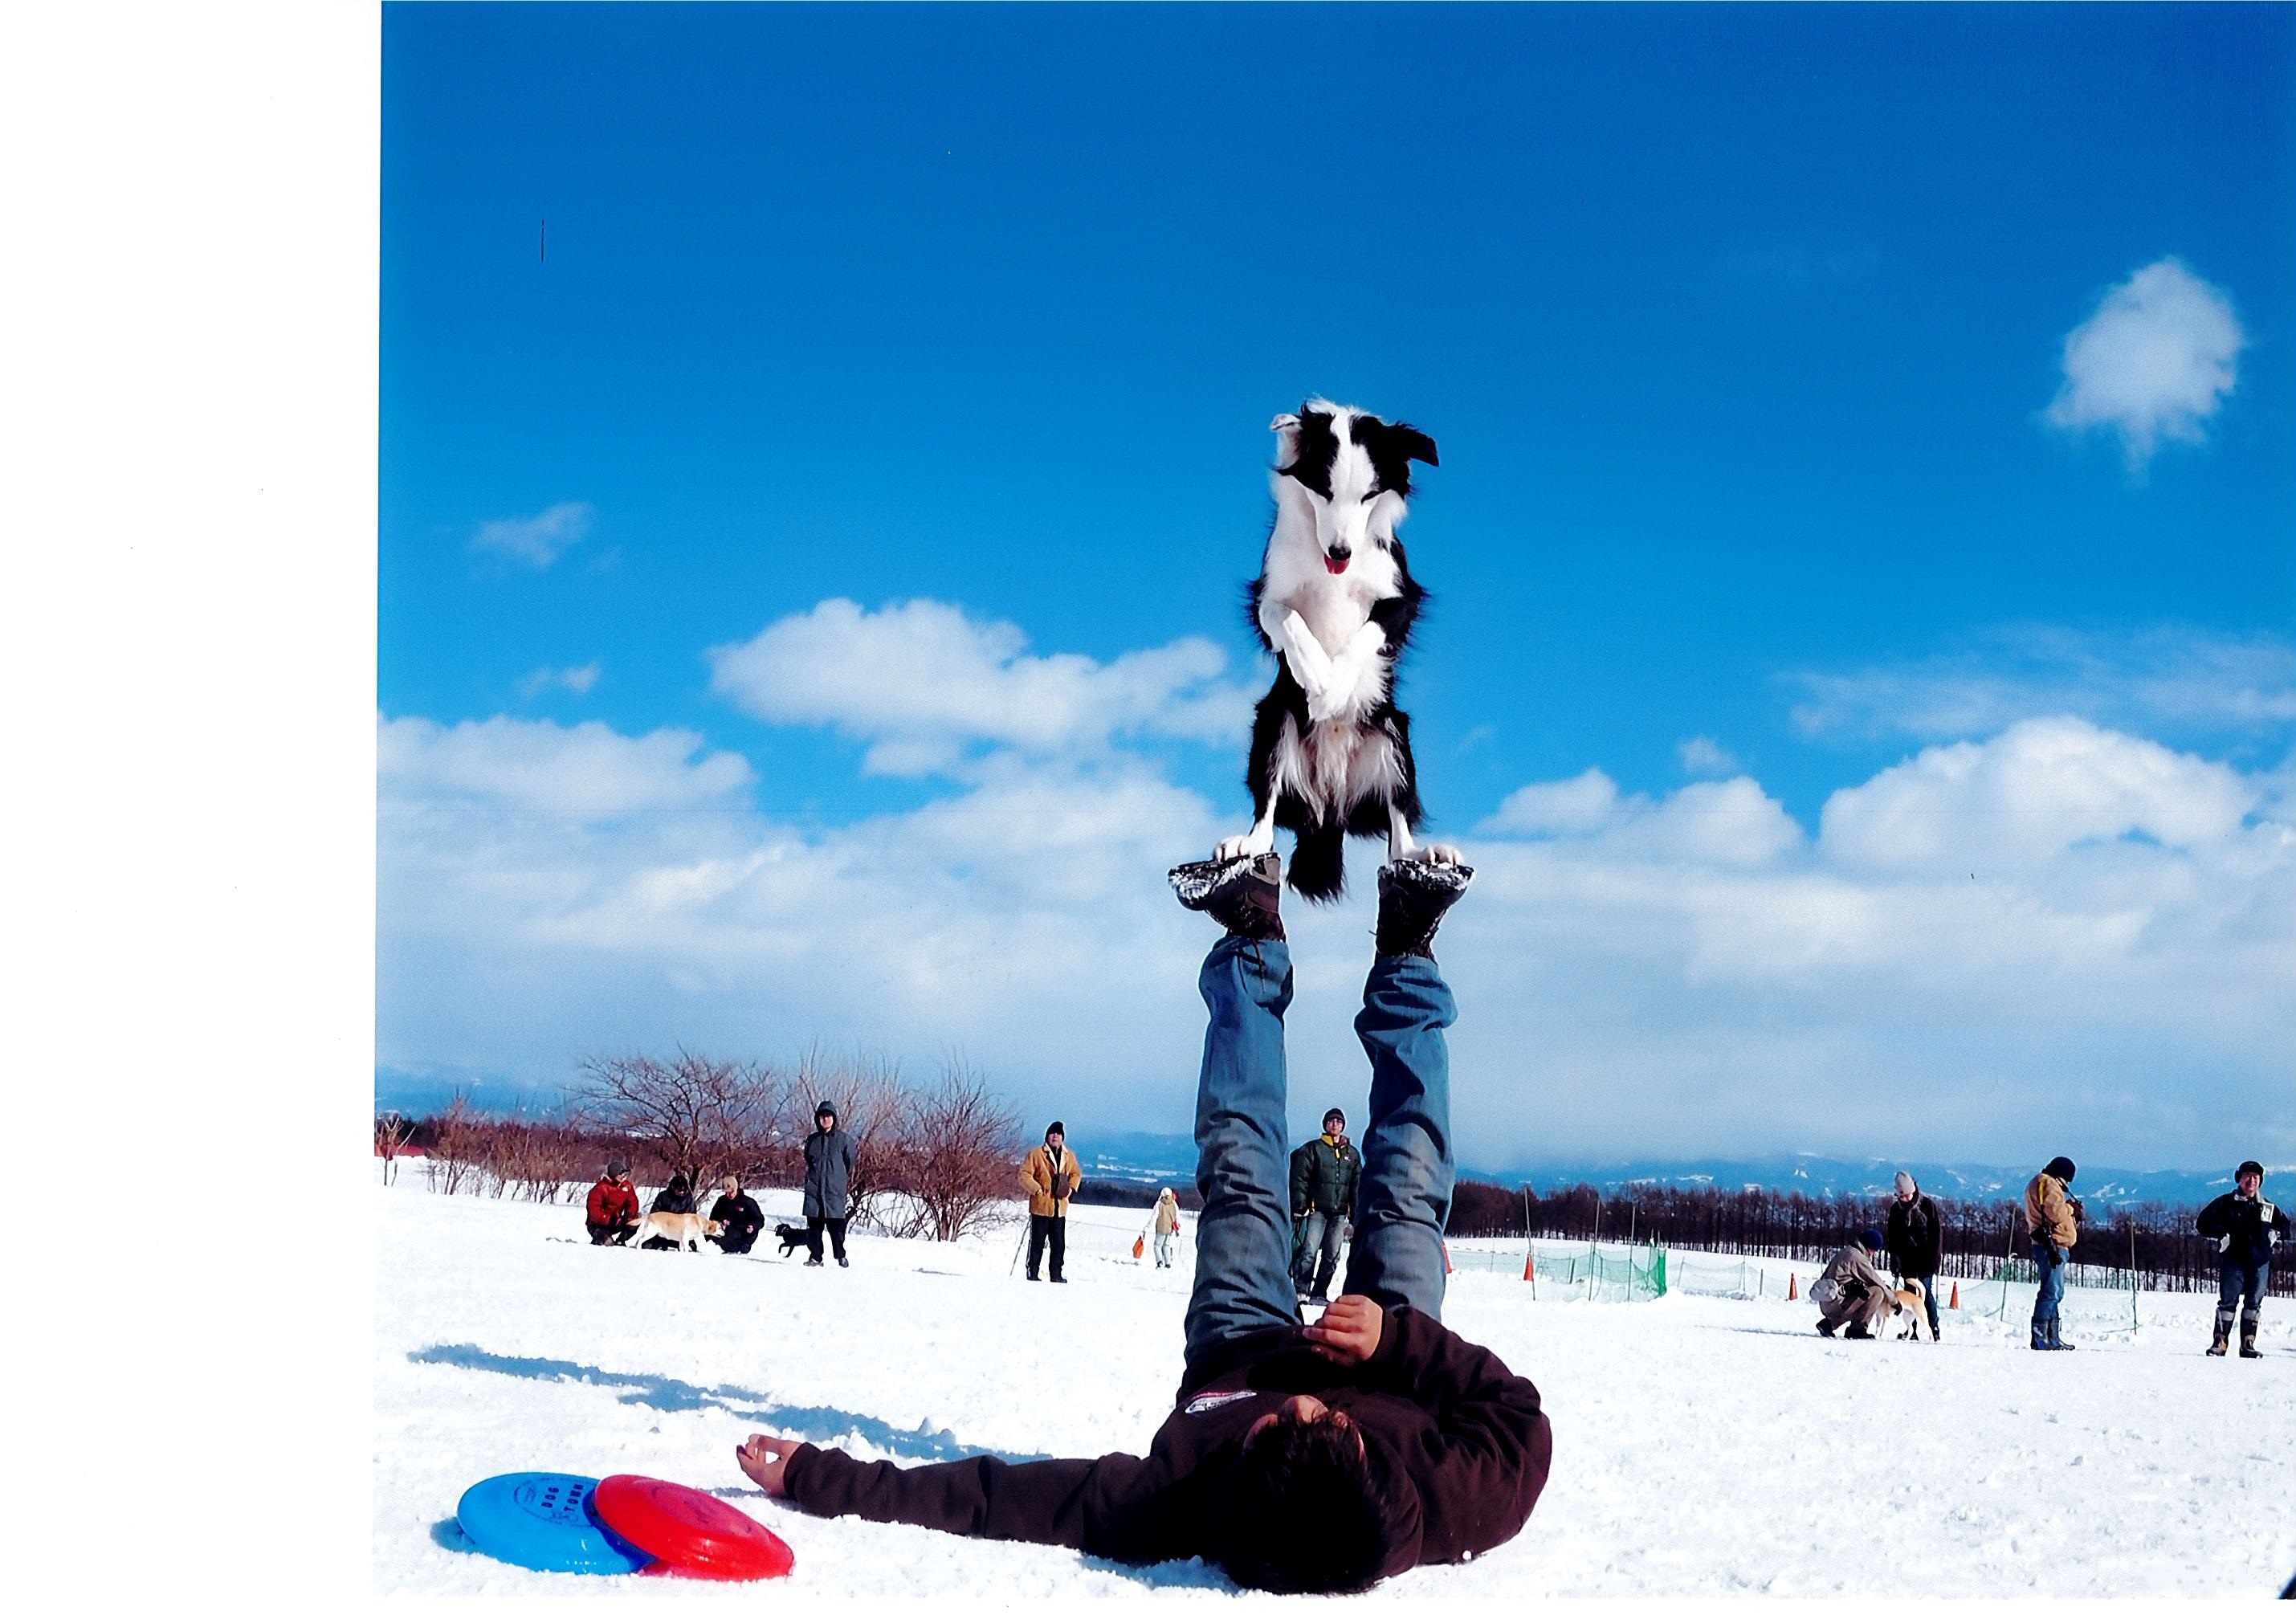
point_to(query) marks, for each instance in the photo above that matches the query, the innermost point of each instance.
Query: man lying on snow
(1303, 1458)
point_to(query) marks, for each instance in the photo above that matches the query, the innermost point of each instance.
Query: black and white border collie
(1330, 754)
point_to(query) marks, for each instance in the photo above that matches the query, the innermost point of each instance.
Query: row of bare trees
(2153, 1243)
(931, 1161)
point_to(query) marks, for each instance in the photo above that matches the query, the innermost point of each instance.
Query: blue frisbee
(545, 1521)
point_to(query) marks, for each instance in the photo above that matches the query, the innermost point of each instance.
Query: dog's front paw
(1441, 854)
(1248, 844)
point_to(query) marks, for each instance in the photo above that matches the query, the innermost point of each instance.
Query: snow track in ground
(1703, 1445)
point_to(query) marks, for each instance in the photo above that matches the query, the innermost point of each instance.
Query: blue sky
(1765, 460)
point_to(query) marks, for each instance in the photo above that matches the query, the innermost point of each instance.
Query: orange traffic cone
(1954, 1302)
(1526, 1268)
(1793, 1290)
(1447, 1259)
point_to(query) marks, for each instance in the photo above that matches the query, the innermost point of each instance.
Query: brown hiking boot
(1240, 895)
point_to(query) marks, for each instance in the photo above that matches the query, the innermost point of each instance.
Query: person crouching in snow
(738, 1213)
(1167, 1225)
(1851, 1290)
(612, 1211)
(1322, 1458)
(2244, 1225)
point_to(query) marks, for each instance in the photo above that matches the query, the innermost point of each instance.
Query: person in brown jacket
(1050, 1176)
(1852, 1293)
(2053, 1223)
(1322, 1458)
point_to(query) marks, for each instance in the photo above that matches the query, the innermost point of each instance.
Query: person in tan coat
(2053, 1222)
(1050, 1175)
(1852, 1293)
(1167, 1226)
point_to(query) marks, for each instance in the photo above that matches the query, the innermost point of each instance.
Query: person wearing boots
(2244, 1225)
(1916, 1242)
(1050, 1175)
(1167, 1226)
(829, 1155)
(1851, 1292)
(1329, 1168)
(2052, 1224)
(1316, 1458)
(738, 1213)
(612, 1210)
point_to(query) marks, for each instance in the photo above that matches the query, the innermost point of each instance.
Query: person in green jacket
(1323, 1175)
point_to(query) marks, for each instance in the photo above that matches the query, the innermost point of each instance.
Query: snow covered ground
(1703, 1445)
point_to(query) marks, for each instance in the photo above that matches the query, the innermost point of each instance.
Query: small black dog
(790, 1237)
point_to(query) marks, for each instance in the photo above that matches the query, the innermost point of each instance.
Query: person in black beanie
(1050, 1175)
(2053, 1223)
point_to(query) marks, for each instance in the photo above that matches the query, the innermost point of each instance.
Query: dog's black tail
(1319, 862)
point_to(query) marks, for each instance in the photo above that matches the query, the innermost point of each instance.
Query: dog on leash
(685, 1231)
(1330, 751)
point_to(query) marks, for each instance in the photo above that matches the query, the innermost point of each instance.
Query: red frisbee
(692, 1534)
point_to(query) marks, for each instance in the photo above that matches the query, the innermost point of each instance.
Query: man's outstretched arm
(1096, 1506)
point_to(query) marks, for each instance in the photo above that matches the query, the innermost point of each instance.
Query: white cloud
(1732, 823)
(1704, 756)
(577, 678)
(535, 768)
(924, 682)
(2167, 677)
(2027, 796)
(538, 541)
(2154, 361)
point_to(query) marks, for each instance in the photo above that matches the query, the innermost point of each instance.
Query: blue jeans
(2236, 1281)
(1319, 1252)
(1243, 1237)
(2051, 1294)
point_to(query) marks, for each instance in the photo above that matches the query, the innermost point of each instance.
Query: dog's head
(1351, 470)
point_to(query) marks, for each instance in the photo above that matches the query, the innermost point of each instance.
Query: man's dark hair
(1304, 1511)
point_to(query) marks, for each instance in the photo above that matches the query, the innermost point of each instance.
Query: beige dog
(1912, 1302)
(686, 1230)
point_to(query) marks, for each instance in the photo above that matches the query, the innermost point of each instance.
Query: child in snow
(1167, 1226)
(1851, 1292)
(1303, 1458)
(2244, 1225)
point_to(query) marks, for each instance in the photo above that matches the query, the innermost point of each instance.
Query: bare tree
(699, 1113)
(957, 1154)
(455, 1144)
(391, 1131)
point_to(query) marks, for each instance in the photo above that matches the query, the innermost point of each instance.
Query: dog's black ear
(1413, 444)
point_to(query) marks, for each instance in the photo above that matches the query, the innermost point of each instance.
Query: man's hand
(765, 1459)
(1348, 1332)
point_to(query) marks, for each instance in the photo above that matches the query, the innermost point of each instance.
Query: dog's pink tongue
(1337, 564)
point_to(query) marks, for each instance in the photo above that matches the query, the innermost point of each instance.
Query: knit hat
(1905, 1183)
(1056, 1129)
(1869, 1239)
(616, 1168)
(2062, 1167)
(1332, 1113)
(2250, 1168)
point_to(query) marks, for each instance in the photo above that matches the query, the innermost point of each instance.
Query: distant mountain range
(1172, 1159)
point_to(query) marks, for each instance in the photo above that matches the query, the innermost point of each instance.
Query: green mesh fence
(1622, 1277)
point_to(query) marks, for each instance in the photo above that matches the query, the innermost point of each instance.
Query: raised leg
(1405, 1197)
(1243, 1237)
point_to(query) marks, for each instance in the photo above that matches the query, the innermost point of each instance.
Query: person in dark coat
(1322, 1458)
(738, 1213)
(1324, 1176)
(2244, 1225)
(612, 1210)
(676, 1198)
(1916, 1242)
(828, 1180)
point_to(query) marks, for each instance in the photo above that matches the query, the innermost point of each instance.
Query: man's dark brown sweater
(1458, 1441)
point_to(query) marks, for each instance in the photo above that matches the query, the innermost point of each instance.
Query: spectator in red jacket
(613, 1207)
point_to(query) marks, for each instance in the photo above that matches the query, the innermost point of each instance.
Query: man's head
(2062, 1167)
(824, 1117)
(615, 1170)
(733, 1186)
(1907, 1189)
(1303, 1508)
(1335, 1123)
(2249, 1177)
(1870, 1240)
(1055, 1133)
